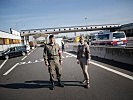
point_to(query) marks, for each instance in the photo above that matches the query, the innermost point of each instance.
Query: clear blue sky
(30, 14)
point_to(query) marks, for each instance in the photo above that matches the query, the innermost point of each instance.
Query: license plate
(121, 42)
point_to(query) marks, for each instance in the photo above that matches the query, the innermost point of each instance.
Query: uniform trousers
(54, 66)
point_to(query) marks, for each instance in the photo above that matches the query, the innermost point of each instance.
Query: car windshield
(103, 37)
(6, 50)
(118, 35)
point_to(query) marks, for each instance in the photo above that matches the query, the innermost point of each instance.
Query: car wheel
(6, 57)
(23, 53)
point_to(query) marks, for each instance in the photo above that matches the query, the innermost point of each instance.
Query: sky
(33, 14)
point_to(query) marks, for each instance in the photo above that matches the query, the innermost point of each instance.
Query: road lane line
(3, 63)
(106, 68)
(70, 54)
(11, 69)
(29, 53)
(114, 71)
(24, 58)
(33, 50)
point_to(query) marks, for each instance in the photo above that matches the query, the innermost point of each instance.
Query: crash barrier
(120, 54)
(129, 41)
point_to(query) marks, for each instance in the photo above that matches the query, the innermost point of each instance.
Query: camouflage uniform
(52, 56)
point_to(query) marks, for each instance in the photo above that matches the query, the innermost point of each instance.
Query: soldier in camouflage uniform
(83, 58)
(53, 59)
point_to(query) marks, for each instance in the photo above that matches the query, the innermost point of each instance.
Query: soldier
(52, 58)
(83, 58)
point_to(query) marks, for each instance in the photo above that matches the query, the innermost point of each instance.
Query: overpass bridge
(57, 30)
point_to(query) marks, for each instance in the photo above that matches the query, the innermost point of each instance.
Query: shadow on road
(35, 84)
(26, 85)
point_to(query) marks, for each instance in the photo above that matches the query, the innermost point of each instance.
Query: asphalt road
(27, 78)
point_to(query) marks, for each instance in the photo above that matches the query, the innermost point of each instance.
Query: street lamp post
(86, 31)
(86, 21)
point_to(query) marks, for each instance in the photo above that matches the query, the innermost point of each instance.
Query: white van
(117, 38)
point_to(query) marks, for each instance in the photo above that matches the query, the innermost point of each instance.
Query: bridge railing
(69, 29)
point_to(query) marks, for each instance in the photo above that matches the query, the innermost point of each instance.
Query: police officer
(52, 58)
(83, 58)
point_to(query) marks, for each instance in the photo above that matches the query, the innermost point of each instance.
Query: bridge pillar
(75, 33)
(25, 40)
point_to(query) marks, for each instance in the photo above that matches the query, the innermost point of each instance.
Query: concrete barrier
(124, 55)
(97, 52)
(120, 54)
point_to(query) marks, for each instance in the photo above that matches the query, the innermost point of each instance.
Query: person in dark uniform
(63, 46)
(83, 58)
(53, 59)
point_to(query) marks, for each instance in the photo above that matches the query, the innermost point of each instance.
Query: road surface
(27, 78)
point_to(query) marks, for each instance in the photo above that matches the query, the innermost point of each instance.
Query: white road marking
(33, 50)
(36, 60)
(3, 63)
(114, 71)
(24, 58)
(11, 69)
(21, 63)
(29, 62)
(29, 53)
(63, 57)
(106, 68)
(41, 59)
(68, 56)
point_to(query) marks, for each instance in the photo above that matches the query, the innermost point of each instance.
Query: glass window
(118, 35)
(103, 37)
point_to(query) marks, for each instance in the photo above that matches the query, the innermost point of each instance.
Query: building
(9, 39)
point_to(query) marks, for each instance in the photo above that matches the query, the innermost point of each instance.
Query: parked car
(13, 51)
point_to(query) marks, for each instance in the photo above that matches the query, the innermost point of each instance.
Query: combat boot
(83, 82)
(60, 83)
(87, 85)
(52, 85)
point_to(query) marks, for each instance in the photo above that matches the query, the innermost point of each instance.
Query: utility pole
(86, 23)
(86, 31)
